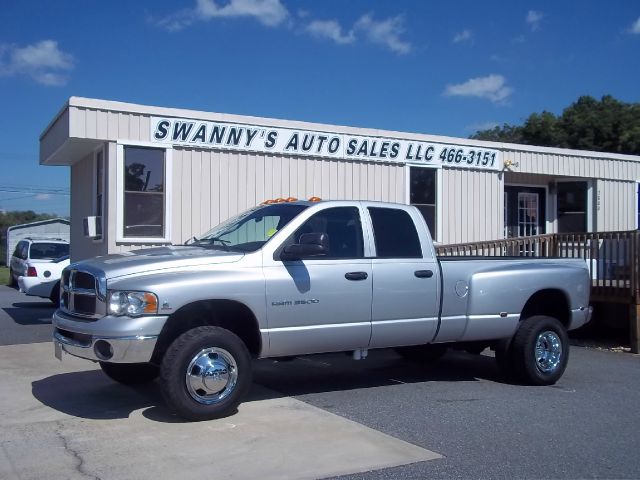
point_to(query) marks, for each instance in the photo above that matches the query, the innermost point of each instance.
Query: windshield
(250, 230)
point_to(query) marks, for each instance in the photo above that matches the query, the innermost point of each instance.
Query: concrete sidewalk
(69, 421)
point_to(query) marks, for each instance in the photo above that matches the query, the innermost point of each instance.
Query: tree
(505, 133)
(543, 129)
(608, 125)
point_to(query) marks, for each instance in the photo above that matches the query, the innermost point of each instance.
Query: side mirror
(311, 245)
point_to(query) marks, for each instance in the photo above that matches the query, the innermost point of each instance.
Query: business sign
(285, 141)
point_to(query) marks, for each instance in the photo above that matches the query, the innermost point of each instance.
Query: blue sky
(444, 68)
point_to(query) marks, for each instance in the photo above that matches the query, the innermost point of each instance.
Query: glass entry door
(525, 211)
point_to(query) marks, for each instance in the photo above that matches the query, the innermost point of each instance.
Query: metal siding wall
(472, 206)
(211, 186)
(616, 210)
(572, 165)
(56, 136)
(81, 207)
(108, 125)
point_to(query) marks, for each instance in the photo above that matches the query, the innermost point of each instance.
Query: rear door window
(395, 233)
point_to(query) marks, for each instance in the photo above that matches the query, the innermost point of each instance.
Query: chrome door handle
(356, 275)
(423, 273)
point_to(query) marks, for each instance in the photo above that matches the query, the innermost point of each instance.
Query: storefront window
(572, 207)
(144, 192)
(423, 194)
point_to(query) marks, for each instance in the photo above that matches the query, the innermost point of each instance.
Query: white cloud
(533, 19)
(44, 62)
(43, 196)
(492, 87)
(384, 32)
(330, 29)
(268, 12)
(635, 28)
(463, 36)
(381, 32)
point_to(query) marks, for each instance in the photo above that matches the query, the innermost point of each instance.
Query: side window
(342, 226)
(423, 194)
(24, 251)
(144, 192)
(99, 194)
(17, 250)
(395, 234)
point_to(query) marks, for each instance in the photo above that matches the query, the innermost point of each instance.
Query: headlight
(132, 304)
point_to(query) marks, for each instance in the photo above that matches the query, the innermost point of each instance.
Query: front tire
(540, 350)
(12, 279)
(130, 373)
(205, 373)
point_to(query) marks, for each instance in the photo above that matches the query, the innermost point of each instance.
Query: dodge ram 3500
(289, 279)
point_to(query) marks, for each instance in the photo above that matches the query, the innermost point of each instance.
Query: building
(154, 175)
(52, 228)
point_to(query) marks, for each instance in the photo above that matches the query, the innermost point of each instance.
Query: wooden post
(634, 315)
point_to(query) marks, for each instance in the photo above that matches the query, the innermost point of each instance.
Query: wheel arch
(228, 314)
(551, 302)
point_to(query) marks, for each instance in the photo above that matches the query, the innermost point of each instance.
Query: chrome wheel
(548, 352)
(211, 376)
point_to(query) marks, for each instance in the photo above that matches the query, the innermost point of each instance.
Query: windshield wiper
(208, 241)
(193, 240)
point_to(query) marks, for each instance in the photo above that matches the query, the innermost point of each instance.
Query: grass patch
(4, 275)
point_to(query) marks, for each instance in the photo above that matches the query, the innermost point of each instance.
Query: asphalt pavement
(459, 408)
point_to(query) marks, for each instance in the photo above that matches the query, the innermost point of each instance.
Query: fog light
(103, 350)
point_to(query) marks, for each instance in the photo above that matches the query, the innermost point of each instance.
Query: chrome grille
(81, 296)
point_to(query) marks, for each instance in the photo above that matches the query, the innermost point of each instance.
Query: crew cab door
(406, 279)
(321, 303)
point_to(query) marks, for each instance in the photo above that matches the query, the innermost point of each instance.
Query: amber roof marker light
(271, 201)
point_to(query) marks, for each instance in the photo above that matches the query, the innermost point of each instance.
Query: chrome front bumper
(110, 339)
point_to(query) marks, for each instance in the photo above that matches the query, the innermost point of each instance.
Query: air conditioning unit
(92, 227)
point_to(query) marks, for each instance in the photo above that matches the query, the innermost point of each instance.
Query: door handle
(356, 275)
(423, 273)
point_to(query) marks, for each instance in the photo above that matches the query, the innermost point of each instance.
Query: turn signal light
(31, 272)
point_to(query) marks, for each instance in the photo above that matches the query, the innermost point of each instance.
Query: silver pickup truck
(296, 278)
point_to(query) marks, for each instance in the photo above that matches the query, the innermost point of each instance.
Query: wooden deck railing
(612, 257)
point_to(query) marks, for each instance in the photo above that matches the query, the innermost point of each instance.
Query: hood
(160, 258)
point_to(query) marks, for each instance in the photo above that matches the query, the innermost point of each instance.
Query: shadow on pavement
(92, 395)
(337, 372)
(35, 305)
(31, 313)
